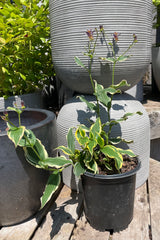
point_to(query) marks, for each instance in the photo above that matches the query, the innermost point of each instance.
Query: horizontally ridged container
(136, 128)
(71, 19)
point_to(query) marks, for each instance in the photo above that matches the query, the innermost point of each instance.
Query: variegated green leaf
(129, 152)
(92, 165)
(15, 134)
(52, 185)
(79, 169)
(91, 106)
(34, 155)
(56, 162)
(109, 59)
(123, 58)
(115, 140)
(112, 90)
(82, 131)
(91, 145)
(100, 141)
(112, 152)
(28, 139)
(101, 95)
(96, 127)
(83, 141)
(107, 165)
(81, 136)
(71, 140)
(123, 83)
(65, 150)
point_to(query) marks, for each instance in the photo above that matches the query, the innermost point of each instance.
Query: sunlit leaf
(56, 162)
(123, 83)
(28, 139)
(51, 186)
(71, 140)
(112, 152)
(129, 152)
(123, 58)
(65, 150)
(15, 134)
(91, 106)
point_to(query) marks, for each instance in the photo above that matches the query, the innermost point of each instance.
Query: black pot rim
(115, 176)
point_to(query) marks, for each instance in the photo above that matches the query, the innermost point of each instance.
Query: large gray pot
(69, 22)
(156, 65)
(22, 185)
(136, 128)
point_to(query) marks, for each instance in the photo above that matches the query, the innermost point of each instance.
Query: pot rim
(115, 176)
(49, 116)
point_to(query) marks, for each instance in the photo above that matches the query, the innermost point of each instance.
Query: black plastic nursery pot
(109, 199)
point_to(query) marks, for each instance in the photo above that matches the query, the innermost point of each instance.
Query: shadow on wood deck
(64, 219)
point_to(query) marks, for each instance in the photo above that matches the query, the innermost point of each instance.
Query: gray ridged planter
(22, 185)
(69, 23)
(136, 128)
(156, 65)
(31, 100)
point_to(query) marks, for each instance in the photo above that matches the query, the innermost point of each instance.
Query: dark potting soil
(129, 163)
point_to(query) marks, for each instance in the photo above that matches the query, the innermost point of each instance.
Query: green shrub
(25, 48)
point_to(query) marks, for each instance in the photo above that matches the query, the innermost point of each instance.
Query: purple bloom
(116, 35)
(90, 34)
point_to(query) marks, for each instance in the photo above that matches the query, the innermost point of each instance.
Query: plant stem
(113, 71)
(19, 119)
(90, 69)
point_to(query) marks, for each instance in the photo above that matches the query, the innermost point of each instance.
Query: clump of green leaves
(35, 152)
(25, 47)
(157, 15)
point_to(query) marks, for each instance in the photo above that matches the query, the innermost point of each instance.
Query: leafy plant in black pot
(108, 172)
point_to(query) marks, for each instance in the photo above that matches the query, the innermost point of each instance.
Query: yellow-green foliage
(25, 49)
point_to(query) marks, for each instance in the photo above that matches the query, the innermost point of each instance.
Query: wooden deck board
(62, 217)
(83, 231)
(138, 229)
(154, 197)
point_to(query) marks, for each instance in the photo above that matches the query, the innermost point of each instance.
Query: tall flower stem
(90, 67)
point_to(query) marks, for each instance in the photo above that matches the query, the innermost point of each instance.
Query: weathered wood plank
(83, 231)
(138, 229)
(60, 220)
(154, 194)
(25, 230)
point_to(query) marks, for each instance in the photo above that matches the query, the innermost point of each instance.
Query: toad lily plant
(98, 149)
